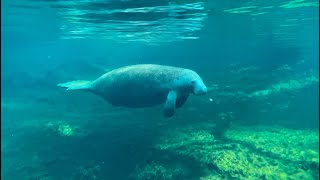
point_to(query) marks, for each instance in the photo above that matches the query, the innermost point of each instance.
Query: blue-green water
(258, 58)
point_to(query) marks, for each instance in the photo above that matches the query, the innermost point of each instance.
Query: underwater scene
(159, 89)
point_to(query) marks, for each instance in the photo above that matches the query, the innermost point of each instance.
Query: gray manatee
(144, 85)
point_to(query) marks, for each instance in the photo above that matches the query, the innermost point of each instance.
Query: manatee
(144, 85)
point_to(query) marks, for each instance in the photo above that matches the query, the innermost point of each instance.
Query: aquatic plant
(290, 144)
(198, 143)
(25, 166)
(87, 172)
(289, 85)
(156, 171)
(212, 177)
(257, 152)
(65, 130)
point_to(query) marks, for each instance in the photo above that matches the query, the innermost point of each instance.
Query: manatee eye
(193, 82)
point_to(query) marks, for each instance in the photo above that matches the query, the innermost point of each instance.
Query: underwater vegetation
(64, 129)
(157, 171)
(184, 148)
(258, 59)
(281, 142)
(257, 152)
(288, 85)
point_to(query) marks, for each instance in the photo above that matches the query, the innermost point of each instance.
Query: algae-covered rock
(256, 152)
(63, 128)
(90, 172)
(66, 130)
(288, 85)
(291, 144)
(157, 171)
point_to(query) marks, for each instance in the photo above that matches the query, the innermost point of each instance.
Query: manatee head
(191, 82)
(197, 85)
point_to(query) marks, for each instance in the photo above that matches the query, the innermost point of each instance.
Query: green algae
(65, 130)
(87, 172)
(255, 152)
(156, 171)
(283, 142)
(289, 85)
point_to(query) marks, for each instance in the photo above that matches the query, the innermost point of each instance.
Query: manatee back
(136, 86)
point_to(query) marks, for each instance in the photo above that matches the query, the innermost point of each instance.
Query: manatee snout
(199, 88)
(201, 91)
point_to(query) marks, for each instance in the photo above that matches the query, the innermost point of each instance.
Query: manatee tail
(76, 85)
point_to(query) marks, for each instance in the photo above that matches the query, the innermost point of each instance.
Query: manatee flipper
(76, 85)
(181, 100)
(170, 104)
